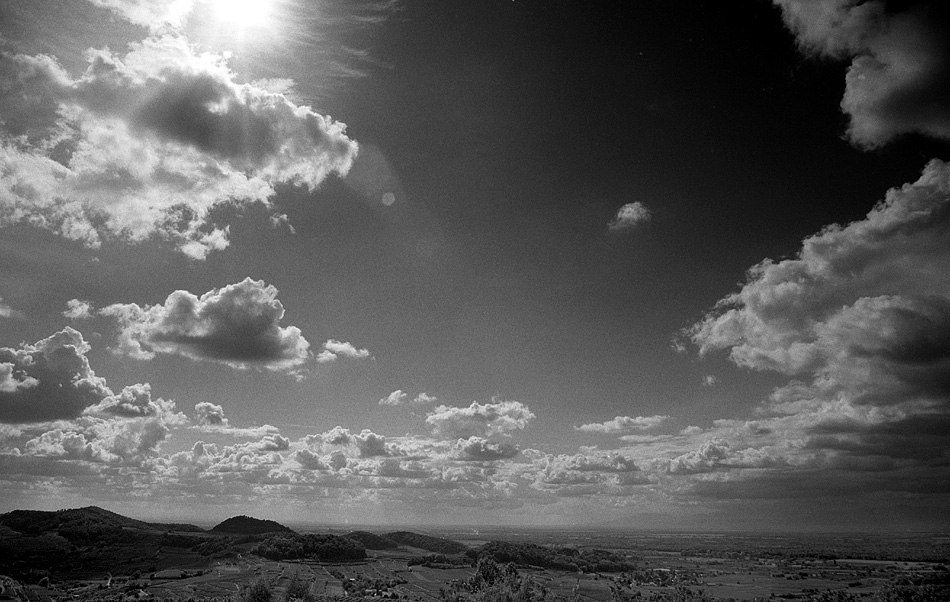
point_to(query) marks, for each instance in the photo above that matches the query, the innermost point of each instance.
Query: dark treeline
(322, 547)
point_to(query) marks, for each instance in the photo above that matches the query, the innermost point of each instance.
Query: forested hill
(371, 541)
(245, 525)
(439, 545)
(560, 558)
(81, 523)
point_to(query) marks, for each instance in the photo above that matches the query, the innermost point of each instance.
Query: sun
(244, 14)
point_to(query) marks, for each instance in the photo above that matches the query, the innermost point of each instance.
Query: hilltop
(372, 541)
(246, 525)
(82, 524)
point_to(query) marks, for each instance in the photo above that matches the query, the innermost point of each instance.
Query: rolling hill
(246, 525)
(82, 524)
(439, 545)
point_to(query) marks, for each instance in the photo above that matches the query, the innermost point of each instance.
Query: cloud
(629, 216)
(477, 420)
(860, 320)
(146, 144)
(49, 379)
(8, 312)
(237, 325)
(399, 398)
(154, 14)
(78, 310)
(587, 475)
(126, 432)
(395, 398)
(702, 460)
(12, 380)
(135, 401)
(366, 444)
(209, 414)
(624, 424)
(900, 64)
(333, 349)
(482, 450)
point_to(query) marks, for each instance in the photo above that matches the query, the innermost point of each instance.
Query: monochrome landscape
(515, 300)
(93, 554)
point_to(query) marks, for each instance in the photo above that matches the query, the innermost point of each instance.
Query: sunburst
(245, 15)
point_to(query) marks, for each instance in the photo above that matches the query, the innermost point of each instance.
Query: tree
(298, 590)
(494, 583)
(259, 591)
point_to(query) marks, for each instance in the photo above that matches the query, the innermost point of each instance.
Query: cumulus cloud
(587, 474)
(900, 61)
(12, 380)
(209, 418)
(860, 319)
(629, 216)
(136, 401)
(8, 312)
(399, 398)
(77, 309)
(705, 458)
(209, 414)
(237, 325)
(333, 349)
(477, 420)
(480, 449)
(624, 424)
(147, 143)
(49, 379)
(366, 443)
(395, 398)
(127, 431)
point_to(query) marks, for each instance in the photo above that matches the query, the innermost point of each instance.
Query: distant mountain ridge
(246, 525)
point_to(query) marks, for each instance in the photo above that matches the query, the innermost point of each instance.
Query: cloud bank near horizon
(471, 460)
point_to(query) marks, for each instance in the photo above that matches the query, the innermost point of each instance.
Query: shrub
(259, 591)
(298, 590)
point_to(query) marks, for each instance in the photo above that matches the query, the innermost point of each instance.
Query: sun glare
(244, 14)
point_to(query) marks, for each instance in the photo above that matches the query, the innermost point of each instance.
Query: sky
(642, 265)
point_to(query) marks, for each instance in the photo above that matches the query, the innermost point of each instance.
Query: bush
(298, 590)
(493, 582)
(259, 591)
